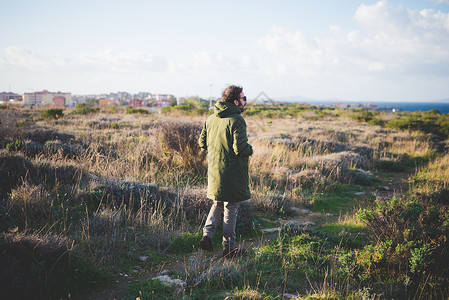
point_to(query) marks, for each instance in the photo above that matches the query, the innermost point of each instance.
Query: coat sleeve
(202, 140)
(240, 142)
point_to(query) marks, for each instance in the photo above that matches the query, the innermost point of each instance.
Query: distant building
(45, 97)
(106, 102)
(58, 102)
(162, 100)
(136, 102)
(370, 106)
(180, 101)
(163, 103)
(10, 98)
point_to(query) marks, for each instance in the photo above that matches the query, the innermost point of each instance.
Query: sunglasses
(244, 98)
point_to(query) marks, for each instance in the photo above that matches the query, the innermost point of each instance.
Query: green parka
(224, 137)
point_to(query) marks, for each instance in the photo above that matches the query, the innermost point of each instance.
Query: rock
(167, 281)
(359, 193)
(288, 296)
(305, 211)
(308, 223)
(295, 227)
(143, 258)
(316, 214)
(367, 173)
(329, 215)
(269, 230)
(165, 272)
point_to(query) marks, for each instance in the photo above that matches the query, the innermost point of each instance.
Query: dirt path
(302, 217)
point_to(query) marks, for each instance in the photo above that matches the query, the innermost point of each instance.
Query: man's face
(241, 102)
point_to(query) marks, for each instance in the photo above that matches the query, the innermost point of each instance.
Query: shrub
(133, 110)
(133, 195)
(376, 122)
(112, 109)
(42, 136)
(426, 122)
(33, 266)
(114, 125)
(52, 113)
(180, 145)
(84, 109)
(18, 169)
(411, 234)
(8, 126)
(364, 115)
(32, 201)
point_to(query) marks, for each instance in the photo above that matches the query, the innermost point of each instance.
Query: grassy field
(95, 203)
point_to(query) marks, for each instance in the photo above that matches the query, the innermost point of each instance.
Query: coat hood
(225, 109)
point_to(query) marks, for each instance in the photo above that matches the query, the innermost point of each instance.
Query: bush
(18, 169)
(132, 110)
(32, 201)
(180, 145)
(52, 113)
(410, 233)
(34, 266)
(84, 109)
(426, 122)
(112, 109)
(364, 115)
(376, 122)
(8, 126)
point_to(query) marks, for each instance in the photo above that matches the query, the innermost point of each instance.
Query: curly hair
(231, 93)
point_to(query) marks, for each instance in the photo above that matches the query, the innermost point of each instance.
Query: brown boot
(236, 252)
(206, 244)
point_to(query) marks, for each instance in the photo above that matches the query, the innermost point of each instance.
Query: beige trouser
(229, 210)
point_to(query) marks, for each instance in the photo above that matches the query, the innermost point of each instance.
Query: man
(224, 137)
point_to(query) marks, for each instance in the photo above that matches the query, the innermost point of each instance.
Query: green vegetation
(133, 110)
(85, 109)
(410, 233)
(292, 110)
(52, 113)
(191, 107)
(427, 122)
(148, 289)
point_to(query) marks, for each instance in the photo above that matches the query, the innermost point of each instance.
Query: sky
(382, 50)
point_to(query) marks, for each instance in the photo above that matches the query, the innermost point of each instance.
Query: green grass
(351, 235)
(185, 243)
(334, 202)
(148, 289)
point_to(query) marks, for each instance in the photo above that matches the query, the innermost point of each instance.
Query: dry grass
(33, 201)
(105, 162)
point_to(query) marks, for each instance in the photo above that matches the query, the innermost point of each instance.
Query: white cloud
(125, 61)
(291, 44)
(16, 58)
(206, 61)
(391, 40)
(440, 1)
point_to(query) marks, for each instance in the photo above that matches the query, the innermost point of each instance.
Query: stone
(167, 281)
(269, 230)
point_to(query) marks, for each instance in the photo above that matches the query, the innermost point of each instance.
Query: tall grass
(137, 188)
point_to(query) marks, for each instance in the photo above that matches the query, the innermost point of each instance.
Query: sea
(442, 107)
